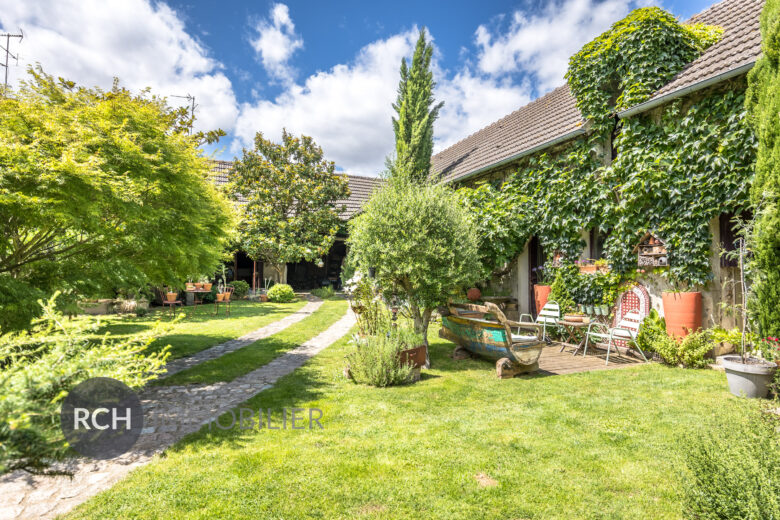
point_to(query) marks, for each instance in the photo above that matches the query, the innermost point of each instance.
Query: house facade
(301, 275)
(552, 123)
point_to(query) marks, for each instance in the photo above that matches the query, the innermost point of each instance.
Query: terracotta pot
(190, 286)
(541, 294)
(682, 311)
(171, 296)
(263, 297)
(587, 268)
(473, 294)
(226, 297)
(415, 356)
(207, 286)
(198, 285)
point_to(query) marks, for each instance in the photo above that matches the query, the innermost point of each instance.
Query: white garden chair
(626, 330)
(548, 317)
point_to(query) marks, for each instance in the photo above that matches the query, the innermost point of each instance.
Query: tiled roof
(538, 123)
(360, 188)
(740, 44)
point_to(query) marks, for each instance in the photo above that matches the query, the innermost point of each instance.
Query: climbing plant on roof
(635, 57)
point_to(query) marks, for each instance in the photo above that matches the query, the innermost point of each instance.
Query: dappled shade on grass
(600, 444)
(199, 329)
(251, 357)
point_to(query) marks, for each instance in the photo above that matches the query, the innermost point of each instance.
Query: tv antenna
(7, 50)
(191, 99)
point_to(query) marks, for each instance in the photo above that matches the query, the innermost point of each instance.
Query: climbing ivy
(638, 55)
(675, 171)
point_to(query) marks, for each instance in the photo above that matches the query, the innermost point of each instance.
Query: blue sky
(326, 69)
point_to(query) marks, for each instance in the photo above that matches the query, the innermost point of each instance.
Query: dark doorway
(535, 260)
(304, 276)
(243, 267)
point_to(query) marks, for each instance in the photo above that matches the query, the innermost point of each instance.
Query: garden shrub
(690, 352)
(37, 370)
(651, 332)
(373, 316)
(325, 293)
(281, 293)
(240, 288)
(733, 471)
(376, 362)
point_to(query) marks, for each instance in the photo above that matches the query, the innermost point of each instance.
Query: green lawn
(603, 444)
(246, 359)
(200, 330)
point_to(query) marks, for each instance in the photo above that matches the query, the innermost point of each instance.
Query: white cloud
(541, 44)
(91, 41)
(276, 42)
(347, 109)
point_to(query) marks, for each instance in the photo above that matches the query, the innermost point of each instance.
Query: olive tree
(420, 243)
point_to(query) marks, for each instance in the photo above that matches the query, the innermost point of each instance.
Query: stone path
(170, 413)
(177, 365)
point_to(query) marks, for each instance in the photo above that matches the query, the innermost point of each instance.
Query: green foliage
(651, 332)
(324, 293)
(635, 57)
(571, 288)
(37, 370)
(240, 288)
(291, 192)
(416, 114)
(764, 104)
(675, 174)
(366, 302)
(421, 242)
(733, 471)
(96, 188)
(376, 361)
(281, 293)
(690, 352)
(561, 288)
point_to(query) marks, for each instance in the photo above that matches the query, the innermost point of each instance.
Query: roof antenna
(191, 99)
(7, 50)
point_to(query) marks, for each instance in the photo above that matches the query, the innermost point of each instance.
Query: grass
(459, 444)
(246, 359)
(199, 330)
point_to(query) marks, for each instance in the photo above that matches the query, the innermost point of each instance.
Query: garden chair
(226, 300)
(626, 330)
(548, 317)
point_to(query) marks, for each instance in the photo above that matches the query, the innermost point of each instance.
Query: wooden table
(572, 328)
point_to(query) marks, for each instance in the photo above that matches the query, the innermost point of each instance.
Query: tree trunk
(421, 322)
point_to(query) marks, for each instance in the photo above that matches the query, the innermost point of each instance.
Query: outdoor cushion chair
(626, 330)
(548, 317)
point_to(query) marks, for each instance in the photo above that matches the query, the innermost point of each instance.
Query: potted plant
(190, 286)
(264, 291)
(747, 374)
(542, 287)
(170, 295)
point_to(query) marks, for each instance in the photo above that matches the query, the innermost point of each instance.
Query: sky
(324, 69)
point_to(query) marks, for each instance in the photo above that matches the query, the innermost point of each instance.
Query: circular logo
(101, 418)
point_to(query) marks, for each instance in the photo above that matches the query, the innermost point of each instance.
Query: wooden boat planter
(469, 327)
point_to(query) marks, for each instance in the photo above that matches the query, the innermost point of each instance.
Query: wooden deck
(554, 362)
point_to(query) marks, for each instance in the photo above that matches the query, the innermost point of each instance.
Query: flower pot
(749, 379)
(207, 286)
(263, 297)
(226, 297)
(589, 309)
(587, 269)
(199, 285)
(682, 311)
(604, 310)
(473, 294)
(190, 287)
(541, 294)
(415, 356)
(220, 297)
(171, 296)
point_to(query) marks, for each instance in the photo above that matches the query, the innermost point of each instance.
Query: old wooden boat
(484, 330)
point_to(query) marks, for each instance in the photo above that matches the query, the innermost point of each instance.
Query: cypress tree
(763, 102)
(416, 113)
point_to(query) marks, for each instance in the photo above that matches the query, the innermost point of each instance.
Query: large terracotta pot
(541, 294)
(682, 311)
(414, 356)
(171, 296)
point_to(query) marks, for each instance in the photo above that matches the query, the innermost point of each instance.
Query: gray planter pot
(748, 380)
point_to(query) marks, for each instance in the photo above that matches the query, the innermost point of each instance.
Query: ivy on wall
(675, 169)
(638, 55)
